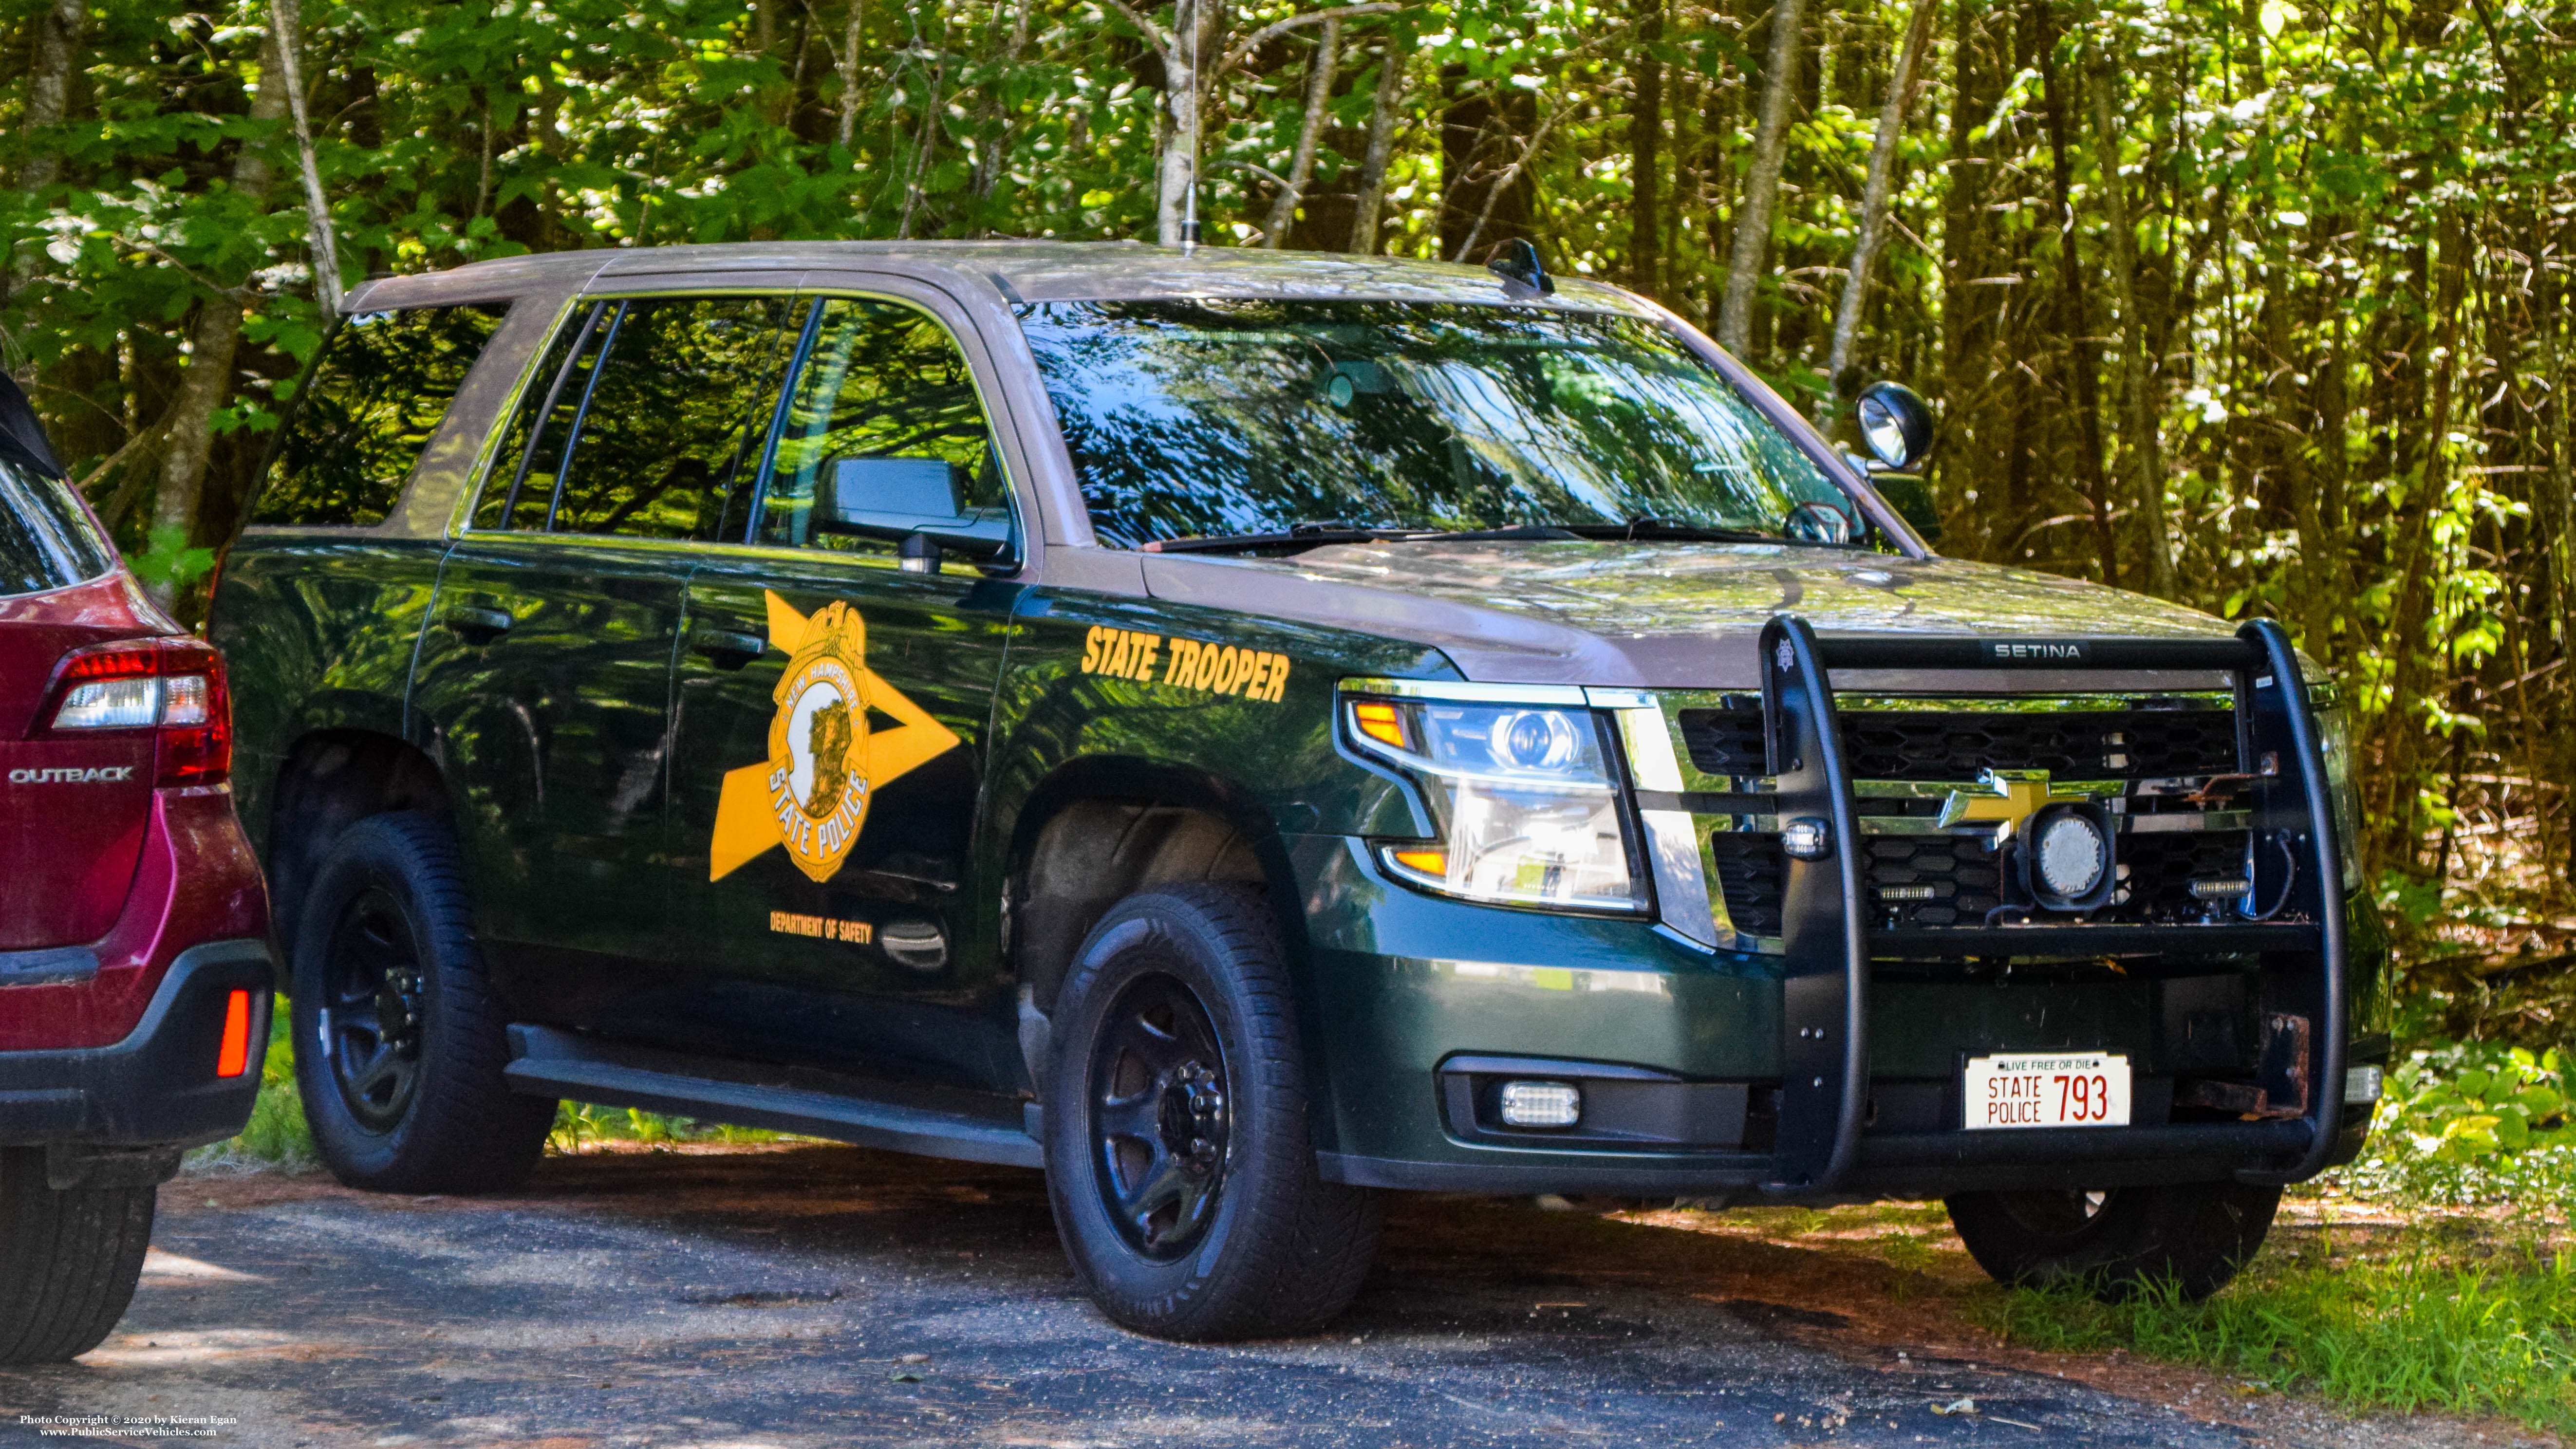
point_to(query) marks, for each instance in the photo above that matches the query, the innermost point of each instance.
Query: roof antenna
(1517, 262)
(1190, 197)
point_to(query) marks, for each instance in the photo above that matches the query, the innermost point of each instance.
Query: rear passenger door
(545, 673)
(833, 710)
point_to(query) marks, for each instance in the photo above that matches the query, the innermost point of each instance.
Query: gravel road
(781, 1298)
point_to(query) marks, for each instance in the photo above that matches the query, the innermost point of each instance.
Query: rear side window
(46, 538)
(367, 410)
(645, 419)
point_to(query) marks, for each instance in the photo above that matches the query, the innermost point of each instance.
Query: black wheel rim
(1160, 1120)
(371, 989)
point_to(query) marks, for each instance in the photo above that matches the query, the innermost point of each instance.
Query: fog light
(2361, 1085)
(1541, 1104)
(1806, 838)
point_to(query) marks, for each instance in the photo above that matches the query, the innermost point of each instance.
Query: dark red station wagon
(134, 964)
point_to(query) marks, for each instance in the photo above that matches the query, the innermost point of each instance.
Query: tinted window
(881, 381)
(1248, 416)
(46, 538)
(657, 410)
(383, 382)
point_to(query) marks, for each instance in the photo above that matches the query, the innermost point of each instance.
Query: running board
(925, 1121)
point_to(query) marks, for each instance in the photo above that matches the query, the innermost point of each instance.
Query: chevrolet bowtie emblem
(2005, 798)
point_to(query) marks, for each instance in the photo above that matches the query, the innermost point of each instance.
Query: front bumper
(1408, 990)
(157, 1087)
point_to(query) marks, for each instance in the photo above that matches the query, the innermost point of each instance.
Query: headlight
(2334, 741)
(1529, 810)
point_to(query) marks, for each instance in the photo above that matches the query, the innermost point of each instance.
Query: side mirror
(902, 498)
(1896, 424)
(1819, 523)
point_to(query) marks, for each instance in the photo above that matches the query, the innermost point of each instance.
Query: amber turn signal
(233, 1057)
(1380, 723)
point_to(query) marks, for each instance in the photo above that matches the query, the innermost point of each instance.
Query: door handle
(479, 623)
(727, 648)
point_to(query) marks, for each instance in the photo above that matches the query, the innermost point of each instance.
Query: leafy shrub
(2466, 1123)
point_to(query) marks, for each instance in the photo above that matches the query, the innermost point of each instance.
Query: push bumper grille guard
(1825, 1087)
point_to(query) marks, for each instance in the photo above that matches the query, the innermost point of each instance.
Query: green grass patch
(580, 1124)
(2419, 1324)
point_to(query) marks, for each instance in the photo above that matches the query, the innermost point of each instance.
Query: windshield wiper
(1332, 531)
(1641, 529)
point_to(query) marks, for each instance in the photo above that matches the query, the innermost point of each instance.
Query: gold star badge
(824, 764)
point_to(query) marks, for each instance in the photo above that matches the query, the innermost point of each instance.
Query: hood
(1677, 615)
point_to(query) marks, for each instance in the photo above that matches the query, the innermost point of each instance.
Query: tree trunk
(59, 33)
(1745, 260)
(2137, 368)
(2074, 311)
(286, 40)
(1646, 155)
(1381, 146)
(1176, 215)
(1301, 166)
(1878, 192)
(2406, 738)
(850, 41)
(994, 149)
(208, 382)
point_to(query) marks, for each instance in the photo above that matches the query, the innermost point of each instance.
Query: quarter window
(884, 401)
(383, 382)
(642, 420)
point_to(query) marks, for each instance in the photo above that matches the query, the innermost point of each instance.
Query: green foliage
(169, 560)
(2468, 1123)
(581, 1124)
(2421, 1327)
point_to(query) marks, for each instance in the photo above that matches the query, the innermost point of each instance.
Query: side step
(927, 1121)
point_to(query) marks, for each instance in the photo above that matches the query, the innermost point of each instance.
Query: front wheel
(2118, 1240)
(1178, 1160)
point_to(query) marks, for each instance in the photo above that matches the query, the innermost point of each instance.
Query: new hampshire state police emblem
(825, 762)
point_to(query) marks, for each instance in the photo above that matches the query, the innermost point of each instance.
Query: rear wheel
(69, 1259)
(2115, 1241)
(1178, 1161)
(399, 1040)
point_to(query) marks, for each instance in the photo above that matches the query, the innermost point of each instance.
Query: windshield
(46, 538)
(1223, 417)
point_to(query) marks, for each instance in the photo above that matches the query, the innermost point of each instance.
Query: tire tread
(69, 1260)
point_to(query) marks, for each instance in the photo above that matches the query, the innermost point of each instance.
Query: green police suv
(1243, 732)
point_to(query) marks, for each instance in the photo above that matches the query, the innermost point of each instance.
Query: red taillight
(173, 687)
(233, 1057)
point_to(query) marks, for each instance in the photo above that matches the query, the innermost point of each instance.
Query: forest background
(2258, 305)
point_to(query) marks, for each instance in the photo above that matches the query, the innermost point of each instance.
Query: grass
(277, 1135)
(2425, 1319)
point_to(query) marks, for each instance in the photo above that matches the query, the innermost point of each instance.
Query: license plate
(2048, 1089)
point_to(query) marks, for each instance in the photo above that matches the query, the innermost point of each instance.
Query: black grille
(1752, 876)
(1923, 745)
(1966, 878)
(1724, 741)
